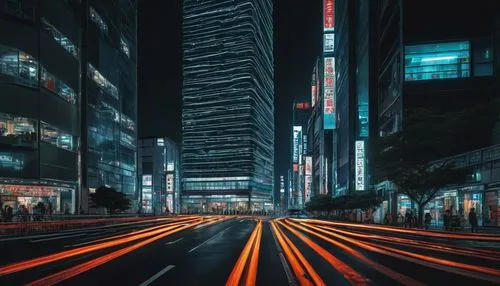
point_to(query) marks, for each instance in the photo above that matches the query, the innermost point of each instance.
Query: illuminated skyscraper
(228, 112)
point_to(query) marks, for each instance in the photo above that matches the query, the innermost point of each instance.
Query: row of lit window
(24, 68)
(446, 61)
(102, 82)
(62, 40)
(103, 27)
(103, 108)
(216, 186)
(21, 131)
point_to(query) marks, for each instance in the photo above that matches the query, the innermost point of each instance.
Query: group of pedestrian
(6, 214)
(40, 211)
(450, 221)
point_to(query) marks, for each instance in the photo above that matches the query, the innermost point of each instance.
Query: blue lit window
(97, 19)
(22, 67)
(17, 131)
(102, 82)
(57, 86)
(56, 137)
(437, 61)
(60, 38)
(124, 47)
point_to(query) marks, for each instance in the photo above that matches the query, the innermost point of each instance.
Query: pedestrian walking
(427, 221)
(473, 220)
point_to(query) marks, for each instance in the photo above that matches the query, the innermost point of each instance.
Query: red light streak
(239, 267)
(314, 275)
(76, 270)
(300, 273)
(409, 231)
(391, 251)
(349, 274)
(27, 264)
(382, 269)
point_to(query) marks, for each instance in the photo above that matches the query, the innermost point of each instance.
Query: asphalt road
(193, 250)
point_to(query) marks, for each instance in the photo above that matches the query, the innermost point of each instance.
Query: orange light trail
(76, 270)
(314, 275)
(447, 235)
(299, 271)
(31, 263)
(180, 221)
(239, 267)
(403, 279)
(349, 274)
(391, 251)
(254, 258)
(420, 244)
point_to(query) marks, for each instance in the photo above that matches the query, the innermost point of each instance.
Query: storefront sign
(360, 165)
(329, 94)
(170, 183)
(296, 144)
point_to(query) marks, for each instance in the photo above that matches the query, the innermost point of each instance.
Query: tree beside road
(412, 159)
(110, 199)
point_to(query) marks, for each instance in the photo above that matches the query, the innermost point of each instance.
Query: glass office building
(61, 81)
(228, 112)
(110, 112)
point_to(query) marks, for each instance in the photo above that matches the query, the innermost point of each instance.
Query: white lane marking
(56, 238)
(157, 275)
(175, 241)
(286, 267)
(208, 240)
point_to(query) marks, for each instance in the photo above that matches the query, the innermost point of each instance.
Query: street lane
(23, 247)
(235, 250)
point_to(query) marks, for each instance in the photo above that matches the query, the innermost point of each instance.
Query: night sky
(297, 34)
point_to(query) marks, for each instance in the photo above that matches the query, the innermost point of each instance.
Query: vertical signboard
(304, 144)
(313, 86)
(170, 183)
(328, 15)
(328, 94)
(308, 166)
(147, 193)
(282, 184)
(308, 188)
(360, 165)
(329, 43)
(296, 144)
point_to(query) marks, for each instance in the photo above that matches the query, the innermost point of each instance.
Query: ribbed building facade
(228, 105)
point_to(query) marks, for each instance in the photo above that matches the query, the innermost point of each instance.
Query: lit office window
(57, 86)
(437, 61)
(56, 137)
(127, 140)
(59, 38)
(15, 130)
(12, 161)
(97, 19)
(102, 82)
(20, 65)
(127, 123)
(124, 47)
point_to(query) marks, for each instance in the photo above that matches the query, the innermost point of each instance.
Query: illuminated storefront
(60, 198)
(459, 202)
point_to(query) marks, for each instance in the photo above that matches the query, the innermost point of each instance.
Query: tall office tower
(67, 101)
(109, 99)
(228, 111)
